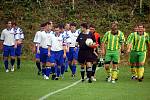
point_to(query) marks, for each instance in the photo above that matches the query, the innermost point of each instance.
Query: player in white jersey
(19, 36)
(73, 52)
(9, 45)
(57, 51)
(37, 55)
(67, 29)
(42, 48)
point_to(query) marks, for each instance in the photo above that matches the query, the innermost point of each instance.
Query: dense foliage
(30, 13)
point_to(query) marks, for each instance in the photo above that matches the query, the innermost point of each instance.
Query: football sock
(82, 72)
(73, 69)
(18, 61)
(38, 65)
(114, 74)
(48, 70)
(12, 61)
(93, 69)
(89, 72)
(140, 72)
(62, 69)
(6, 64)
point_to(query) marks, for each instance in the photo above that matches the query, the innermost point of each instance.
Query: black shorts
(86, 56)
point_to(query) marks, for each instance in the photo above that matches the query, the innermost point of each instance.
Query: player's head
(9, 24)
(56, 29)
(136, 28)
(14, 24)
(141, 28)
(84, 27)
(46, 26)
(114, 27)
(50, 23)
(73, 26)
(67, 26)
(61, 28)
(92, 28)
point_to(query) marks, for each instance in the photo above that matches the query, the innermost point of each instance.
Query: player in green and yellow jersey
(131, 55)
(115, 42)
(138, 43)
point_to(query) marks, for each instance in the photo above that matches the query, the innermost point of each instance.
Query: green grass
(25, 84)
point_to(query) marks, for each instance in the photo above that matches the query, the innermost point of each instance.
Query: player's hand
(128, 51)
(15, 46)
(49, 54)
(64, 56)
(103, 52)
(38, 51)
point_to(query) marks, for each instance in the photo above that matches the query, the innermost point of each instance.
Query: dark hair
(92, 26)
(84, 25)
(14, 23)
(61, 26)
(73, 24)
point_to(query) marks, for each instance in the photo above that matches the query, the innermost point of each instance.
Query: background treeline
(30, 13)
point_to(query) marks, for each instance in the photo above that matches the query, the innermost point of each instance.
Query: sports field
(25, 84)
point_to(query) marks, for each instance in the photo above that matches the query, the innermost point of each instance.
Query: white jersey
(56, 42)
(43, 39)
(72, 37)
(8, 36)
(18, 33)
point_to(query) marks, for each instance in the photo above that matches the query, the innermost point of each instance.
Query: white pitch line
(59, 90)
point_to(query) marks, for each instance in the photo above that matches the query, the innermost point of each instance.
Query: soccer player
(115, 41)
(133, 69)
(86, 53)
(73, 53)
(56, 50)
(19, 36)
(67, 29)
(139, 42)
(97, 38)
(37, 55)
(42, 49)
(9, 45)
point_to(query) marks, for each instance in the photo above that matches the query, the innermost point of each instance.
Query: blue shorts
(43, 54)
(56, 57)
(18, 50)
(73, 54)
(8, 50)
(37, 55)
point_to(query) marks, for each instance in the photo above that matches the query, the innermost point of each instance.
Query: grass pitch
(25, 84)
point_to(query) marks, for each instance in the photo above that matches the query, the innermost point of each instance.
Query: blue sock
(12, 61)
(70, 67)
(53, 70)
(48, 70)
(62, 69)
(66, 64)
(43, 71)
(73, 69)
(6, 64)
(58, 71)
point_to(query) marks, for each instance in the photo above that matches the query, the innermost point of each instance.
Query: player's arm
(104, 39)
(122, 43)
(130, 42)
(2, 38)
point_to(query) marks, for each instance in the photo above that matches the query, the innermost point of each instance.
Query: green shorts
(137, 57)
(113, 56)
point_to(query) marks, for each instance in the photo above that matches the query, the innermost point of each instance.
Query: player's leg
(140, 65)
(18, 54)
(38, 63)
(131, 63)
(107, 66)
(5, 57)
(12, 57)
(115, 61)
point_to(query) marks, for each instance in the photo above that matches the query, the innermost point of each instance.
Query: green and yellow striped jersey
(113, 41)
(129, 39)
(139, 41)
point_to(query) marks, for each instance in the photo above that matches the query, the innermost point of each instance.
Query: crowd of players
(60, 46)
